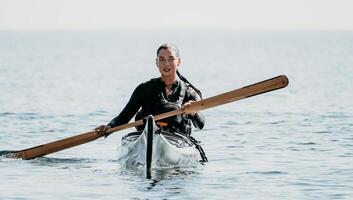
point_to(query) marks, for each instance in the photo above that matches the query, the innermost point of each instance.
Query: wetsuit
(150, 98)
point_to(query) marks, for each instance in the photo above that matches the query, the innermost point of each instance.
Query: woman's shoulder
(191, 92)
(150, 84)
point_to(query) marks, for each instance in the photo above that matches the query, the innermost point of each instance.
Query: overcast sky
(177, 14)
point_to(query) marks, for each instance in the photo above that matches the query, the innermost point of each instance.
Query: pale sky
(176, 15)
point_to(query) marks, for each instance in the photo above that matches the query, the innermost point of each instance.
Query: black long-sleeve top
(150, 96)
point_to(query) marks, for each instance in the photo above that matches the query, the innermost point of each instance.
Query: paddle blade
(238, 94)
(52, 147)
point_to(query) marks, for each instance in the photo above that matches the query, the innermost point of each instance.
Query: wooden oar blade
(66, 143)
(52, 147)
(242, 93)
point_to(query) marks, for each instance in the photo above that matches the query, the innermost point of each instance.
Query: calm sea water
(294, 143)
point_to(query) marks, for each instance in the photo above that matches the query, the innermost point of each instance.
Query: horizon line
(176, 30)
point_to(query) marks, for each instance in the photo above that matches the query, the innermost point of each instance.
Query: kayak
(154, 147)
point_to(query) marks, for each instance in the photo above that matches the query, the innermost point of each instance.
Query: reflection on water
(161, 177)
(173, 172)
(160, 173)
(63, 163)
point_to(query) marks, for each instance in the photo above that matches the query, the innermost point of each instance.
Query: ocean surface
(293, 143)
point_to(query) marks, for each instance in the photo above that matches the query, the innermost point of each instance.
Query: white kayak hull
(167, 149)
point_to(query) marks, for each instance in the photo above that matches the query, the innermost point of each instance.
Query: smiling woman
(170, 91)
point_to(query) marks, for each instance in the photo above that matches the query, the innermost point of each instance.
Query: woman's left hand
(185, 106)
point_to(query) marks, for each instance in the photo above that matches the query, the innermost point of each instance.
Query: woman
(168, 92)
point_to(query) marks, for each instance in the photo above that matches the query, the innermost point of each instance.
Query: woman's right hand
(102, 130)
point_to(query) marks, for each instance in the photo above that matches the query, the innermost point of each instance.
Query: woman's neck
(169, 80)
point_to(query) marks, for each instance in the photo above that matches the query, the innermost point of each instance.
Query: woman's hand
(185, 107)
(102, 130)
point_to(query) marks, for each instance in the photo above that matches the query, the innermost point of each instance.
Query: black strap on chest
(159, 92)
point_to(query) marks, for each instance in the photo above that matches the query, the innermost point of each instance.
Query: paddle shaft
(234, 95)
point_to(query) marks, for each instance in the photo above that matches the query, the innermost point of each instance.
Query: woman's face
(167, 62)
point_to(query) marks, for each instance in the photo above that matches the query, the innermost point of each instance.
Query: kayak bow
(154, 147)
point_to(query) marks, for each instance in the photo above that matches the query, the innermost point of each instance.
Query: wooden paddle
(245, 92)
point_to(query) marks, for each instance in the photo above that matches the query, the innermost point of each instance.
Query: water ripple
(267, 172)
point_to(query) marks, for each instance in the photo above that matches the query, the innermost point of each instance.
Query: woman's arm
(130, 109)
